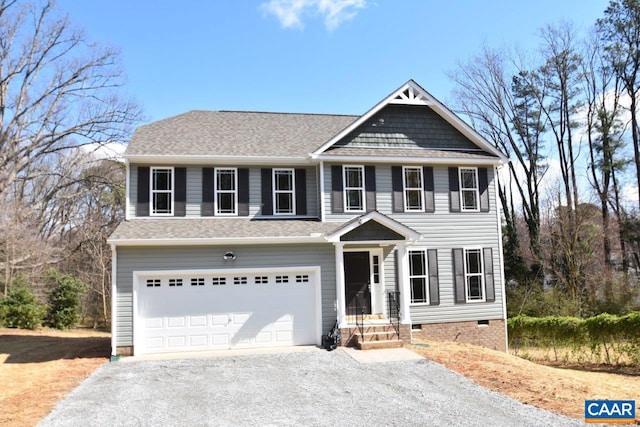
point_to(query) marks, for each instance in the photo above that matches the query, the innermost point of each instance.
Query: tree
(57, 90)
(620, 32)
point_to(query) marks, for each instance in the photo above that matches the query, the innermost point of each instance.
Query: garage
(176, 311)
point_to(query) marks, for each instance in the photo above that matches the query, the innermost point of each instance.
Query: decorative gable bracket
(411, 95)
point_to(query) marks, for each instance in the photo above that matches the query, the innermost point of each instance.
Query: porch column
(340, 292)
(403, 285)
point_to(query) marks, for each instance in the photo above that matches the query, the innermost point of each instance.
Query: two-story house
(252, 229)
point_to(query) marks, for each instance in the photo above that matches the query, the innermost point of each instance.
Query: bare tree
(57, 90)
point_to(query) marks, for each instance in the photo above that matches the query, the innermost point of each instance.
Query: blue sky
(315, 56)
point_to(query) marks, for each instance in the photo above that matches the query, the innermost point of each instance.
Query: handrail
(393, 303)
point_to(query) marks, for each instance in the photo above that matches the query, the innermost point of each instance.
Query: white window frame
(468, 275)
(406, 189)
(361, 188)
(463, 190)
(234, 192)
(424, 276)
(152, 191)
(276, 191)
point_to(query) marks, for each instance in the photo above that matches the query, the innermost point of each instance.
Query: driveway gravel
(311, 388)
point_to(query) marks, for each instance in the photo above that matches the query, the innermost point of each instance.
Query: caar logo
(610, 411)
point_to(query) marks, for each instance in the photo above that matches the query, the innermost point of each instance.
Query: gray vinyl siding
(130, 259)
(441, 230)
(194, 190)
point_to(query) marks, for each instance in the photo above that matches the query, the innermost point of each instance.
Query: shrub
(20, 309)
(64, 300)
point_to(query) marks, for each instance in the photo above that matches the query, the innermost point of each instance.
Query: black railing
(356, 310)
(393, 308)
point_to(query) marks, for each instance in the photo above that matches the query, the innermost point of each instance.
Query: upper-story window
(161, 191)
(226, 191)
(473, 275)
(469, 194)
(413, 189)
(354, 188)
(284, 192)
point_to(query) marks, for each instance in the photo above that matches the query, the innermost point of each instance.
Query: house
(252, 229)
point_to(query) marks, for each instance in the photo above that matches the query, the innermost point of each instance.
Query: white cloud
(109, 150)
(290, 13)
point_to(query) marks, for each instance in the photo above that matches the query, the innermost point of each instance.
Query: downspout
(501, 258)
(114, 297)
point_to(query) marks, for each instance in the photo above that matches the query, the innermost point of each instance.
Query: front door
(357, 281)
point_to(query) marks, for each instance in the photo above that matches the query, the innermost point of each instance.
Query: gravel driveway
(310, 388)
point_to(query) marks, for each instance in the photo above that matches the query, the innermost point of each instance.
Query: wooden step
(377, 345)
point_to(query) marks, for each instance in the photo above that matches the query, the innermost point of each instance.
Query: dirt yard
(38, 368)
(555, 389)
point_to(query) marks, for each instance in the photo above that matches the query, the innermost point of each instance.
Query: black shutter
(337, 205)
(434, 286)
(483, 186)
(454, 190)
(396, 187)
(243, 192)
(267, 191)
(301, 192)
(207, 208)
(429, 197)
(370, 187)
(458, 275)
(180, 197)
(488, 275)
(142, 205)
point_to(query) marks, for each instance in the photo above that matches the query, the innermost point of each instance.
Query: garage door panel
(259, 310)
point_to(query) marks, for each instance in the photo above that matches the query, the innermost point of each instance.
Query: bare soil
(555, 389)
(38, 368)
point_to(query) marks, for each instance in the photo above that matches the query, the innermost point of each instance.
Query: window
(282, 279)
(473, 274)
(302, 278)
(175, 282)
(259, 280)
(226, 191)
(376, 269)
(469, 189)
(242, 280)
(284, 192)
(413, 189)
(418, 277)
(153, 283)
(218, 281)
(354, 188)
(197, 281)
(162, 191)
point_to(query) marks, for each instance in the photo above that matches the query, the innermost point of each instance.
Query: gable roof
(383, 220)
(412, 93)
(235, 134)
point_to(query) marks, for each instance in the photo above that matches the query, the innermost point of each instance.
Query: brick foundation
(491, 336)
(124, 351)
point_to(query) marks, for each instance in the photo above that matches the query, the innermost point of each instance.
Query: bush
(64, 300)
(20, 309)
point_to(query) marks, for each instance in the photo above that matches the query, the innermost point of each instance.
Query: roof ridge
(275, 113)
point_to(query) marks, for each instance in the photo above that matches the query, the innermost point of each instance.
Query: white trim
(341, 305)
(420, 188)
(292, 191)
(410, 160)
(483, 287)
(322, 195)
(235, 191)
(152, 169)
(362, 188)
(199, 160)
(139, 275)
(127, 188)
(114, 298)
(403, 285)
(420, 97)
(477, 189)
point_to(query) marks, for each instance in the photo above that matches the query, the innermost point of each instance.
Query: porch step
(377, 336)
(377, 345)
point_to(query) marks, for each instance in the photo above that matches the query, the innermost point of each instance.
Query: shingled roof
(236, 133)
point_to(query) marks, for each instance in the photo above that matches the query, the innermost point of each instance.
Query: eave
(208, 159)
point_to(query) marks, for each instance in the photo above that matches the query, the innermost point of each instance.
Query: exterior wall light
(229, 256)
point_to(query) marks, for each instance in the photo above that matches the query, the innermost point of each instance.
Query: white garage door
(194, 311)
